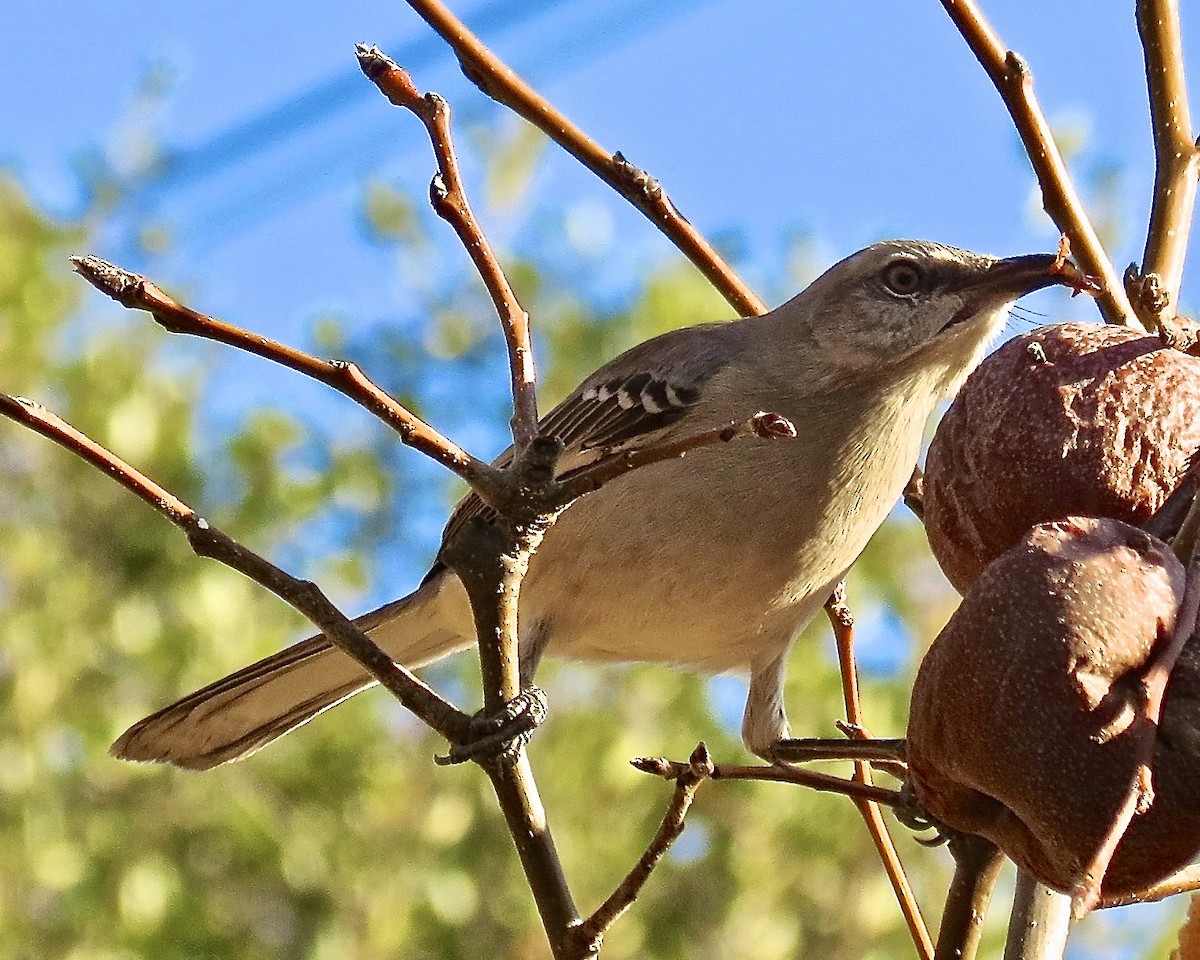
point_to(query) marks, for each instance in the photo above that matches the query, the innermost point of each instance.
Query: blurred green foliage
(344, 841)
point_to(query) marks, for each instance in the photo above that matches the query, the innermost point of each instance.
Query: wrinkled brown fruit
(1068, 420)
(1013, 694)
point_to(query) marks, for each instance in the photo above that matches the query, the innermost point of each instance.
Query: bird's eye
(903, 277)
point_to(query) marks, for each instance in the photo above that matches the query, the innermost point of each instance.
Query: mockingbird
(714, 561)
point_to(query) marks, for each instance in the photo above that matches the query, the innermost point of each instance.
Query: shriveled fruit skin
(1011, 699)
(1067, 420)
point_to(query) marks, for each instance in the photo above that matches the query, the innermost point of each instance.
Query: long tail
(243, 712)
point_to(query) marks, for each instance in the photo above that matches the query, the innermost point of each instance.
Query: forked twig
(699, 768)
(1012, 78)
(208, 541)
(449, 199)
(843, 629)
(496, 79)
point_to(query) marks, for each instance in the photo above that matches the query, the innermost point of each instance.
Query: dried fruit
(1010, 703)
(1068, 420)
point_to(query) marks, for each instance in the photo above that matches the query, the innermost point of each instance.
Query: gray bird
(715, 561)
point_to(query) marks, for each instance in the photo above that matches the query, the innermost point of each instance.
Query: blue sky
(844, 119)
(849, 119)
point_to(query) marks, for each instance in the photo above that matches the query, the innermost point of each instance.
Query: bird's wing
(633, 400)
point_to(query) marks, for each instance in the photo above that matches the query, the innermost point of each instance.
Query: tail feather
(243, 712)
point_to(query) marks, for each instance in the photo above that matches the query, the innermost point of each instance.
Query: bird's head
(916, 306)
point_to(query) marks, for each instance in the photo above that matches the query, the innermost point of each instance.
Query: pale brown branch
(776, 773)
(842, 622)
(873, 750)
(1185, 880)
(1012, 78)
(208, 541)
(449, 199)
(1039, 923)
(137, 293)
(977, 864)
(496, 79)
(1177, 163)
(699, 769)
(767, 426)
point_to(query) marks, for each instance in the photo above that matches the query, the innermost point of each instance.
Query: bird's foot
(497, 737)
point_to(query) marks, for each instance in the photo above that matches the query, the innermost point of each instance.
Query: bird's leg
(765, 724)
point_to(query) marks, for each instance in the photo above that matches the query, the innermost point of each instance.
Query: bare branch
(137, 293)
(1185, 880)
(842, 622)
(207, 541)
(767, 426)
(1039, 922)
(977, 864)
(498, 81)
(776, 773)
(1012, 78)
(1177, 163)
(449, 199)
(699, 769)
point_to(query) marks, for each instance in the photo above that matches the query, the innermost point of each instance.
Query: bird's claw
(496, 738)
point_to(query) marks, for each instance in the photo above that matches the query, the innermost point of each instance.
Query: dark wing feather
(630, 400)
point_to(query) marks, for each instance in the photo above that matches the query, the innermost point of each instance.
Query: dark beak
(1007, 280)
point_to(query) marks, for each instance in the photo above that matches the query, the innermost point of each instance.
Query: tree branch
(1012, 78)
(208, 541)
(842, 622)
(767, 426)
(1177, 163)
(449, 200)
(776, 773)
(977, 864)
(137, 293)
(1039, 922)
(496, 79)
(699, 768)
(1184, 880)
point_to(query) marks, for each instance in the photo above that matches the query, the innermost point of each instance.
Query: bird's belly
(683, 589)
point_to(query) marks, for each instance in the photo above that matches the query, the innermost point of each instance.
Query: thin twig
(138, 293)
(776, 773)
(1012, 78)
(699, 769)
(496, 79)
(767, 426)
(1177, 163)
(870, 749)
(450, 201)
(1139, 795)
(977, 864)
(1185, 880)
(208, 541)
(842, 622)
